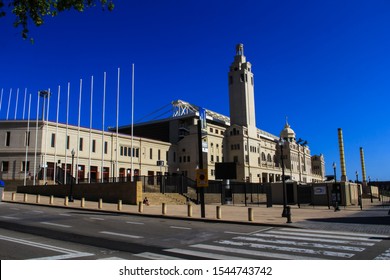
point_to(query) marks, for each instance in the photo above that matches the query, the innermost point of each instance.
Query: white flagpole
(24, 102)
(104, 106)
(1, 98)
(66, 136)
(78, 134)
(9, 102)
(46, 140)
(56, 137)
(27, 140)
(132, 119)
(16, 104)
(36, 141)
(117, 123)
(90, 131)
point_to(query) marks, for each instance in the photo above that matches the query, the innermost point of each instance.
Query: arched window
(263, 157)
(269, 159)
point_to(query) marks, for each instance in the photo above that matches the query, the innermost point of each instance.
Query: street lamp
(281, 144)
(71, 178)
(359, 193)
(336, 207)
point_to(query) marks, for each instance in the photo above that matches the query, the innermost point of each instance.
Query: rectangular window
(121, 151)
(212, 158)
(93, 146)
(67, 142)
(53, 140)
(4, 166)
(137, 152)
(24, 166)
(159, 154)
(27, 139)
(125, 152)
(151, 153)
(105, 147)
(81, 144)
(8, 139)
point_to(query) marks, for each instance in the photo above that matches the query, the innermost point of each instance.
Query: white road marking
(332, 233)
(10, 217)
(38, 212)
(98, 219)
(247, 233)
(286, 249)
(384, 256)
(153, 256)
(112, 258)
(66, 253)
(121, 234)
(254, 253)
(185, 228)
(66, 215)
(56, 225)
(204, 254)
(135, 223)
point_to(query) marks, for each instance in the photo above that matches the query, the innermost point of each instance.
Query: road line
(384, 256)
(336, 232)
(10, 218)
(295, 243)
(135, 223)
(286, 249)
(324, 236)
(153, 256)
(66, 215)
(120, 234)
(98, 219)
(254, 253)
(185, 228)
(56, 225)
(38, 212)
(337, 241)
(204, 254)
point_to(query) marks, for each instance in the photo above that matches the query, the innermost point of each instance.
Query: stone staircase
(167, 198)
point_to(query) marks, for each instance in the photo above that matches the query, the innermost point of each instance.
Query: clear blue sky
(324, 64)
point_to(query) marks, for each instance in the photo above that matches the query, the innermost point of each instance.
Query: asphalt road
(36, 232)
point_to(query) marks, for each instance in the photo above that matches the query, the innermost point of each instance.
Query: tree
(27, 11)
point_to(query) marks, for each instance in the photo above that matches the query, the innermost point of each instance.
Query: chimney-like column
(342, 157)
(363, 166)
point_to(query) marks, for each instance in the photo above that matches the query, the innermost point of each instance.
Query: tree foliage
(34, 11)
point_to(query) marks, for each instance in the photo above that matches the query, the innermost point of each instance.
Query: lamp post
(369, 183)
(284, 213)
(336, 202)
(71, 179)
(359, 192)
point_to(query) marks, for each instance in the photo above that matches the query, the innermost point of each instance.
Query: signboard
(320, 190)
(160, 163)
(203, 122)
(202, 178)
(205, 147)
(225, 170)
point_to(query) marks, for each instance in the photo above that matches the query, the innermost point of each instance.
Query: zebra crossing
(278, 243)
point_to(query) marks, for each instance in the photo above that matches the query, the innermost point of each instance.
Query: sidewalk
(261, 215)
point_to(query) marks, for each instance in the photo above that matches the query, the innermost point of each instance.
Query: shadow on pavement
(382, 220)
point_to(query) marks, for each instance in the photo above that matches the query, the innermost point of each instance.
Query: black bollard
(288, 214)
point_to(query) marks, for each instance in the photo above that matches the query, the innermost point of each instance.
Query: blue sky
(324, 64)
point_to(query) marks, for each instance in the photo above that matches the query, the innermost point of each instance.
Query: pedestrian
(146, 201)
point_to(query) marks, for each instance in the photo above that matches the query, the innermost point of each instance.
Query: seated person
(146, 201)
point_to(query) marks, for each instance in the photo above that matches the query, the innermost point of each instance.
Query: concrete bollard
(164, 209)
(189, 210)
(13, 196)
(219, 212)
(82, 204)
(25, 197)
(119, 205)
(250, 214)
(140, 207)
(100, 204)
(38, 199)
(66, 201)
(51, 200)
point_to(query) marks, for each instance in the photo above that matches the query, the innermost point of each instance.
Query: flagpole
(78, 134)
(56, 136)
(16, 104)
(47, 135)
(117, 123)
(104, 106)
(90, 131)
(9, 102)
(24, 102)
(36, 141)
(132, 118)
(66, 136)
(27, 140)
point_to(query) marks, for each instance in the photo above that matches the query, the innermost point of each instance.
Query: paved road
(31, 232)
